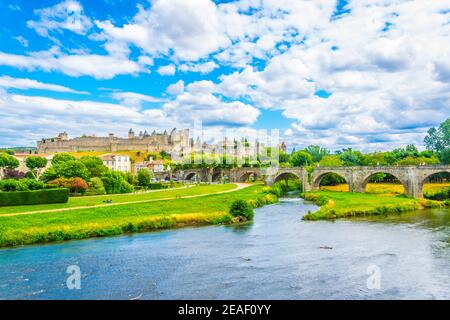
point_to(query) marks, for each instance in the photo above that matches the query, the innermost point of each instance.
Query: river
(277, 256)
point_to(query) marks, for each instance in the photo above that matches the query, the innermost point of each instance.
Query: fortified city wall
(154, 142)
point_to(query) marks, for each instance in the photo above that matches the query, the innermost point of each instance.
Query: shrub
(13, 174)
(144, 177)
(155, 186)
(96, 187)
(12, 185)
(33, 184)
(75, 185)
(125, 187)
(79, 185)
(9, 185)
(440, 195)
(114, 182)
(34, 197)
(241, 208)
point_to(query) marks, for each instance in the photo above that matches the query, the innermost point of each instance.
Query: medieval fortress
(155, 142)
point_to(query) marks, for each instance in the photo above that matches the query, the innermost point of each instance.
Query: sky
(367, 74)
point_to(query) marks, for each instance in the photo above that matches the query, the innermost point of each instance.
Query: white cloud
(202, 68)
(97, 66)
(176, 88)
(385, 63)
(199, 103)
(24, 84)
(22, 41)
(66, 15)
(27, 119)
(133, 99)
(179, 26)
(168, 70)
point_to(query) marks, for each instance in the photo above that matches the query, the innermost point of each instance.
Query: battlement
(154, 142)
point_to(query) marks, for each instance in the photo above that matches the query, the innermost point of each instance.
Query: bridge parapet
(357, 177)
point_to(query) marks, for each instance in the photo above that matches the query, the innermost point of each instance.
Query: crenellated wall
(150, 143)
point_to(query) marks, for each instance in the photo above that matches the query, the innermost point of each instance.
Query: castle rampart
(155, 142)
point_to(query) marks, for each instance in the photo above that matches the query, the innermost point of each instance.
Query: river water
(277, 256)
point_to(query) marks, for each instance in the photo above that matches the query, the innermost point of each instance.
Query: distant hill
(19, 150)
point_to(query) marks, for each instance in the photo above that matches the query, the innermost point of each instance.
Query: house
(117, 162)
(140, 165)
(155, 166)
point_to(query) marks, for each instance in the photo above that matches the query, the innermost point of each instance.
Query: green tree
(375, 159)
(284, 157)
(331, 161)
(351, 158)
(301, 158)
(94, 165)
(66, 169)
(36, 164)
(438, 139)
(8, 162)
(427, 154)
(417, 161)
(61, 157)
(411, 150)
(96, 187)
(144, 177)
(317, 152)
(444, 156)
(164, 155)
(114, 182)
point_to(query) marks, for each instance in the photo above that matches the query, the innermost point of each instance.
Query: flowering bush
(75, 185)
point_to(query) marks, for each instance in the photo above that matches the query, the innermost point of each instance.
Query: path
(239, 187)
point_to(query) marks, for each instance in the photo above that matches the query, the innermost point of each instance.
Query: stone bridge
(412, 177)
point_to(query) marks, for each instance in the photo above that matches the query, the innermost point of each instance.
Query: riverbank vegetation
(334, 205)
(432, 191)
(138, 217)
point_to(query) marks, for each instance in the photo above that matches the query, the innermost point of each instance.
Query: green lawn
(118, 198)
(104, 221)
(348, 204)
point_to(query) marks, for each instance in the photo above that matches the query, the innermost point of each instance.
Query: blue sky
(368, 74)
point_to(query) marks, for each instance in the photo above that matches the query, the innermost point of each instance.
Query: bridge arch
(189, 176)
(217, 176)
(248, 175)
(445, 173)
(286, 174)
(316, 182)
(361, 185)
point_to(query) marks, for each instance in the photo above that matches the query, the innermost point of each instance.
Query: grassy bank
(390, 188)
(335, 205)
(108, 221)
(92, 201)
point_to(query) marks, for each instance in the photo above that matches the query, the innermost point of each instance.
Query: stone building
(154, 142)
